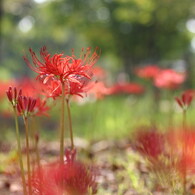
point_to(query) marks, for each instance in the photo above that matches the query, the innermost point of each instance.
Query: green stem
(28, 155)
(70, 123)
(184, 152)
(62, 129)
(20, 152)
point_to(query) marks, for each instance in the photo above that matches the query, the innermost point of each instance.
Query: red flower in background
(64, 68)
(98, 73)
(98, 90)
(185, 100)
(150, 143)
(169, 79)
(129, 88)
(29, 87)
(147, 72)
(72, 177)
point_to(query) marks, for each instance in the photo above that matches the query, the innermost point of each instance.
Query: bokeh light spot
(26, 24)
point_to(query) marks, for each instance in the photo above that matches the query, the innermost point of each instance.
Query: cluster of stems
(65, 102)
(23, 106)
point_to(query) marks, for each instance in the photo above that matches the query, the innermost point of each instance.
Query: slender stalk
(62, 129)
(35, 141)
(37, 152)
(28, 154)
(70, 123)
(20, 152)
(38, 161)
(184, 152)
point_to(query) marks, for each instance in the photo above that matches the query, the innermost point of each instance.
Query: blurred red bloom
(129, 88)
(99, 73)
(150, 143)
(182, 145)
(72, 178)
(98, 90)
(64, 68)
(29, 87)
(169, 79)
(147, 72)
(185, 100)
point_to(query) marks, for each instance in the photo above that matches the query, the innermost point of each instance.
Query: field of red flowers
(103, 138)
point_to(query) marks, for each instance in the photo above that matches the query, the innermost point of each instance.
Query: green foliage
(135, 31)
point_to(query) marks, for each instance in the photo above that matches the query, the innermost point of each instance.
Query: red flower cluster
(72, 178)
(24, 105)
(73, 72)
(162, 78)
(169, 79)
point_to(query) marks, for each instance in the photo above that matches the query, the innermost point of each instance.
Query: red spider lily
(26, 105)
(185, 100)
(169, 79)
(182, 146)
(75, 89)
(129, 88)
(72, 178)
(147, 72)
(150, 143)
(64, 68)
(52, 88)
(13, 94)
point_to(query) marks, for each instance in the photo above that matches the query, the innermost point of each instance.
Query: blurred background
(130, 33)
